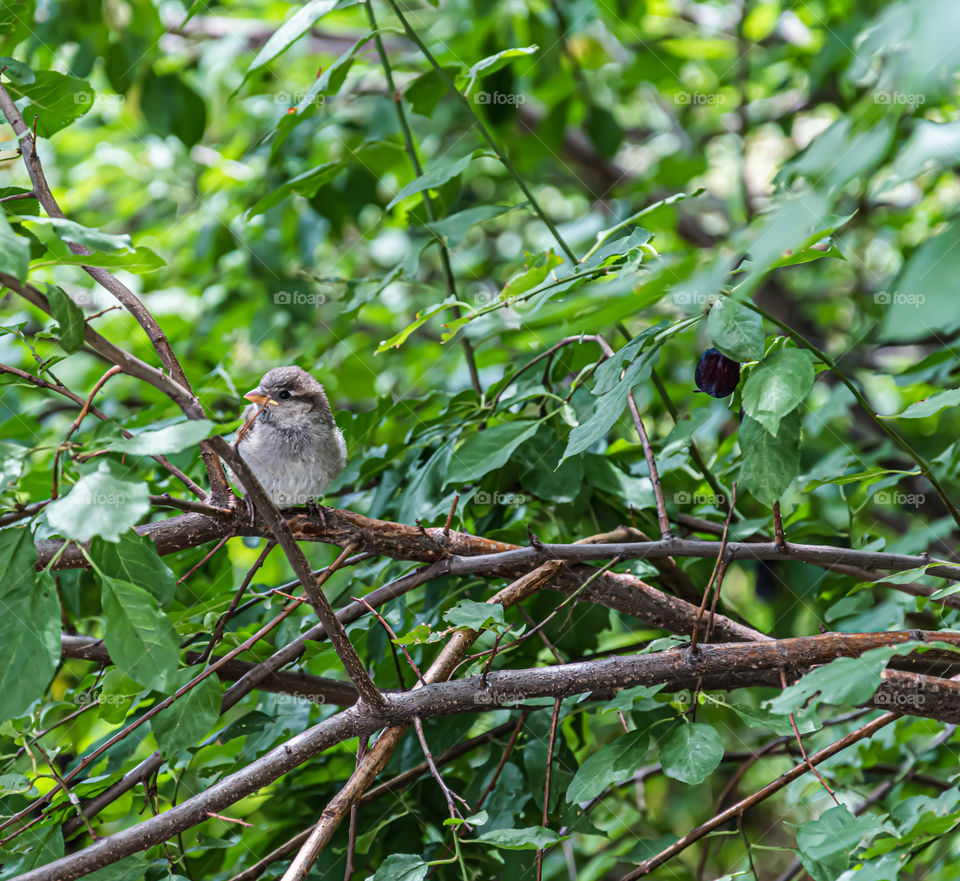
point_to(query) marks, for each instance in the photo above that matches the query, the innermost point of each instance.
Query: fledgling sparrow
(294, 447)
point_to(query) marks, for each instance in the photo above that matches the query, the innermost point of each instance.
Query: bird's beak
(258, 397)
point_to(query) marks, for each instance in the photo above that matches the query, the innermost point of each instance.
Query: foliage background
(830, 123)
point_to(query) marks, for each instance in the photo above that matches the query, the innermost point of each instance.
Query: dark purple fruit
(716, 374)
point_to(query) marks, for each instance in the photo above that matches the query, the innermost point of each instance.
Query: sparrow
(289, 437)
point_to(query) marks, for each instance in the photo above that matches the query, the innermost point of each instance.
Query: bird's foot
(315, 509)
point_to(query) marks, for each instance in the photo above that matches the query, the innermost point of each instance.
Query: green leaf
(826, 844)
(132, 868)
(613, 763)
(923, 296)
(490, 64)
(140, 638)
(189, 718)
(843, 681)
(17, 71)
(29, 624)
(134, 558)
(173, 108)
(931, 405)
(735, 330)
(770, 464)
(453, 229)
(14, 251)
(69, 316)
(401, 867)
(55, 100)
(488, 450)
(12, 457)
(613, 390)
(290, 31)
(171, 439)
(628, 698)
(469, 613)
(82, 235)
(691, 753)
(398, 339)
(526, 838)
(438, 174)
(137, 260)
(306, 184)
(99, 504)
(777, 386)
(425, 92)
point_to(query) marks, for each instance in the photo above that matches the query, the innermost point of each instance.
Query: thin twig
(736, 810)
(113, 371)
(546, 782)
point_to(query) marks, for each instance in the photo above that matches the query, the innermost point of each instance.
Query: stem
(886, 428)
(427, 200)
(501, 154)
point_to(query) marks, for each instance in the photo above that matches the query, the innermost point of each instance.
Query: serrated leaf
(469, 613)
(527, 838)
(770, 464)
(69, 316)
(613, 763)
(735, 330)
(627, 698)
(843, 681)
(435, 176)
(29, 624)
(17, 70)
(189, 718)
(777, 386)
(488, 450)
(140, 638)
(492, 63)
(930, 406)
(305, 184)
(14, 251)
(99, 504)
(171, 439)
(290, 31)
(134, 558)
(691, 753)
(83, 235)
(401, 867)
(55, 100)
(139, 260)
(453, 229)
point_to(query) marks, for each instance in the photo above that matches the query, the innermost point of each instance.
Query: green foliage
(246, 174)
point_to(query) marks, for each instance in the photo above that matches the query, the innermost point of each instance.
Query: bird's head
(290, 397)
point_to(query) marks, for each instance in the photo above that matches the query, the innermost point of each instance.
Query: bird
(289, 437)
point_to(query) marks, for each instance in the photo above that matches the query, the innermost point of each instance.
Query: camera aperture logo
(298, 298)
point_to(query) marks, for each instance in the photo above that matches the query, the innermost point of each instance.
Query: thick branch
(678, 668)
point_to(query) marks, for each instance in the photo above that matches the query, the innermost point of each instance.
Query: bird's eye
(284, 395)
